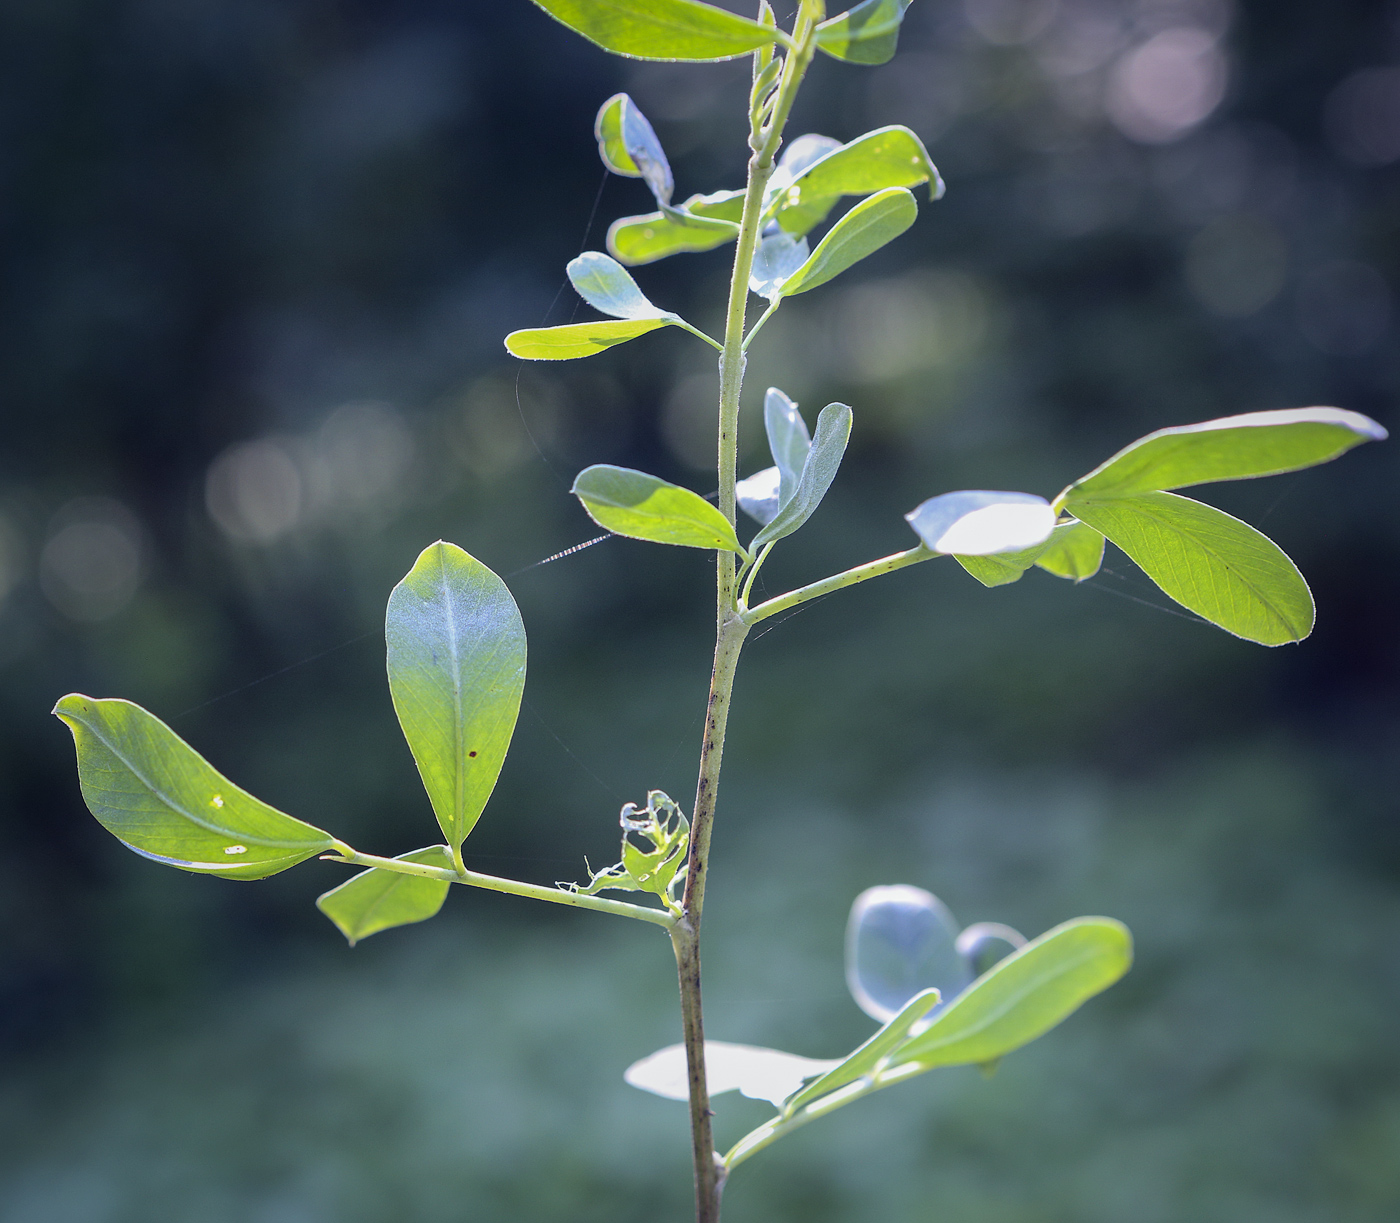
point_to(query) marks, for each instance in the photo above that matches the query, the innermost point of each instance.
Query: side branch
(862, 573)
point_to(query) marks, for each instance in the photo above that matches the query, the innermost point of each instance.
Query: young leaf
(861, 232)
(778, 256)
(1232, 448)
(760, 1074)
(720, 205)
(628, 145)
(376, 900)
(759, 495)
(607, 130)
(661, 29)
(1074, 551)
(788, 439)
(1025, 995)
(161, 798)
(607, 286)
(640, 506)
(456, 655)
(1000, 568)
(819, 470)
(655, 235)
(977, 523)
(576, 340)
(868, 34)
(1213, 564)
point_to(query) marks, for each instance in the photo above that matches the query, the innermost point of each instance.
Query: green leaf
(868, 1057)
(868, 34)
(861, 232)
(1025, 995)
(778, 256)
(1213, 564)
(578, 339)
(640, 506)
(456, 649)
(819, 470)
(161, 798)
(655, 235)
(628, 145)
(886, 157)
(376, 900)
(1232, 448)
(788, 440)
(607, 286)
(976, 522)
(1000, 568)
(1074, 551)
(661, 29)
(720, 205)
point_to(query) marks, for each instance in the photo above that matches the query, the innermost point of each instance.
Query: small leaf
(1025, 995)
(161, 798)
(978, 523)
(1213, 564)
(607, 130)
(576, 340)
(778, 256)
(788, 439)
(607, 286)
(644, 151)
(655, 235)
(758, 495)
(868, 34)
(1000, 568)
(865, 229)
(640, 506)
(1232, 448)
(661, 29)
(760, 1074)
(1074, 551)
(376, 900)
(456, 656)
(719, 205)
(823, 460)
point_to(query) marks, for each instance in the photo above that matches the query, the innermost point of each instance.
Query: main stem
(730, 630)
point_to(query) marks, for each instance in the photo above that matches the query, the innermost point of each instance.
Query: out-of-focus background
(258, 259)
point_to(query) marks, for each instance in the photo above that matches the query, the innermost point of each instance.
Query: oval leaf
(640, 506)
(778, 256)
(607, 286)
(868, 34)
(376, 900)
(661, 29)
(456, 653)
(1074, 551)
(760, 1074)
(1232, 448)
(628, 145)
(161, 798)
(759, 495)
(861, 232)
(978, 523)
(578, 339)
(1213, 564)
(607, 130)
(1025, 995)
(788, 439)
(655, 235)
(819, 470)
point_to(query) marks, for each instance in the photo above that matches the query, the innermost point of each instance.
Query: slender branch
(753, 573)
(762, 318)
(710, 340)
(351, 857)
(862, 573)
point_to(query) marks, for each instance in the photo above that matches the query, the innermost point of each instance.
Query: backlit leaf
(655, 235)
(607, 286)
(758, 495)
(456, 654)
(161, 798)
(376, 900)
(818, 471)
(978, 523)
(865, 229)
(760, 1074)
(788, 439)
(1074, 551)
(640, 506)
(778, 256)
(868, 34)
(628, 145)
(661, 29)
(577, 339)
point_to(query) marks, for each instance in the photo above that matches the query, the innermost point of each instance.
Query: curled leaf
(818, 471)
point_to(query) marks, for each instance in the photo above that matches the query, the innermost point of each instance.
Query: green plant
(456, 643)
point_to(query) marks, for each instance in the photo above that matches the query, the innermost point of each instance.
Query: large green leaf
(575, 340)
(456, 649)
(628, 145)
(1024, 995)
(1232, 448)
(376, 900)
(861, 232)
(607, 286)
(979, 522)
(661, 29)
(160, 797)
(868, 34)
(1216, 565)
(640, 506)
(818, 471)
(655, 235)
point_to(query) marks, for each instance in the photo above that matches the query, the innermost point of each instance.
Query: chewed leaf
(575, 340)
(456, 658)
(607, 286)
(865, 229)
(978, 523)
(868, 34)
(760, 1074)
(1074, 551)
(376, 900)
(161, 798)
(758, 495)
(655, 235)
(1213, 564)
(635, 504)
(661, 29)
(818, 471)
(788, 439)
(778, 256)
(1231, 448)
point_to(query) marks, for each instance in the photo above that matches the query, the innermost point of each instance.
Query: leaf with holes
(376, 900)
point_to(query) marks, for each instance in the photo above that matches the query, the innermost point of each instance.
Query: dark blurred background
(258, 259)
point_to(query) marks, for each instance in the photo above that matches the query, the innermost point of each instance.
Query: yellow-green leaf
(640, 506)
(376, 900)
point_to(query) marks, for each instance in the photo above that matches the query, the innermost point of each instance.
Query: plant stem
(559, 896)
(839, 581)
